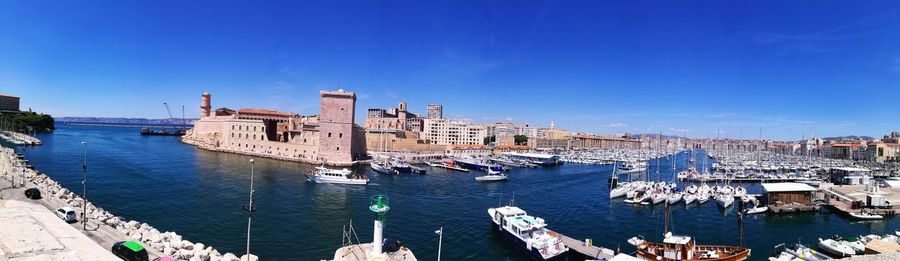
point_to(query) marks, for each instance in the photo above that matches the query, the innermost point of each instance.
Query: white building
(449, 132)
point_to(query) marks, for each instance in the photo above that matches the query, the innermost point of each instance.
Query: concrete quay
(840, 198)
(19, 138)
(103, 227)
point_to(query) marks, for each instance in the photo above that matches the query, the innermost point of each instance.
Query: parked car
(67, 214)
(33, 193)
(130, 251)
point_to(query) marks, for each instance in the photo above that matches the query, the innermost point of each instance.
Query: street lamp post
(250, 209)
(84, 188)
(440, 233)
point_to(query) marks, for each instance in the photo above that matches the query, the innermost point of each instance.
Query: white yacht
(381, 167)
(342, 176)
(493, 176)
(527, 233)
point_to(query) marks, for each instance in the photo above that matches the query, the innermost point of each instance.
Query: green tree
(521, 139)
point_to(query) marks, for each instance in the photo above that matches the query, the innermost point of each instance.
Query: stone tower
(336, 120)
(205, 105)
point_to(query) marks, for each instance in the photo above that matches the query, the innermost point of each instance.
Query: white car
(66, 213)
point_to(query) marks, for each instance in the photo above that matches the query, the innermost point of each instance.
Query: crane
(168, 110)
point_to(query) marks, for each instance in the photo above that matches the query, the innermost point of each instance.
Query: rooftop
(786, 187)
(265, 112)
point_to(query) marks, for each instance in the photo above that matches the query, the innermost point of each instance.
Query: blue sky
(789, 67)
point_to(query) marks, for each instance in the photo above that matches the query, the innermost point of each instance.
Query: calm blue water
(199, 194)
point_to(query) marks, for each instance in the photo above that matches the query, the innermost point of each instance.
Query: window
(329, 134)
(340, 135)
(232, 134)
(338, 148)
(254, 136)
(254, 128)
(232, 127)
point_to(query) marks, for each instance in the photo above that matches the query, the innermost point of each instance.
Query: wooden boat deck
(579, 246)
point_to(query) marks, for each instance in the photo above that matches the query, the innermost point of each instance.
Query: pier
(580, 247)
(19, 138)
(840, 198)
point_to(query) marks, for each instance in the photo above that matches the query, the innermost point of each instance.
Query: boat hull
(476, 166)
(320, 179)
(533, 253)
(739, 254)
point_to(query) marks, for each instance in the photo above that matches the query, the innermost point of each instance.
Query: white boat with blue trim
(527, 233)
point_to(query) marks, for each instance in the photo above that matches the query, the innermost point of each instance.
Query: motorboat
(725, 200)
(834, 247)
(689, 198)
(756, 210)
(674, 198)
(865, 216)
(381, 167)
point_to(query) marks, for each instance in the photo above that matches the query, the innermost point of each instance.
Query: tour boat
(492, 176)
(342, 176)
(527, 233)
(835, 248)
(684, 248)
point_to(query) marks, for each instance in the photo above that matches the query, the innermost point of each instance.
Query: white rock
(252, 257)
(168, 250)
(134, 224)
(136, 237)
(194, 258)
(199, 246)
(187, 245)
(185, 254)
(229, 257)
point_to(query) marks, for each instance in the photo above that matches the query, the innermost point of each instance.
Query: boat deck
(359, 252)
(579, 246)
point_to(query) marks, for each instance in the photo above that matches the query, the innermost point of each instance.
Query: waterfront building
(543, 143)
(395, 118)
(9, 103)
(450, 132)
(392, 140)
(332, 137)
(849, 176)
(789, 196)
(590, 141)
(462, 151)
(879, 151)
(435, 111)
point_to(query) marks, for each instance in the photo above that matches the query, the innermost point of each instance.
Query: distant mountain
(131, 121)
(850, 137)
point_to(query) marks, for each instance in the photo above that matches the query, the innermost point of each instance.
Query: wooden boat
(676, 248)
(684, 248)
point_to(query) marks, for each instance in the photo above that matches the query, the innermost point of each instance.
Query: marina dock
(840, 198)
(580, 247)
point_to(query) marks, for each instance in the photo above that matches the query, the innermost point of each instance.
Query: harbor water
(200, 195)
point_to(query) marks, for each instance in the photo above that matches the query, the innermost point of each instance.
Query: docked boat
(401, 167)
(865, 216)
(800, 252)
(834, 247)
(527, 233)
(724, 200)
(476, 164)
(341, 176)
(685, 248)
(381, 167)
(756, 210)
(493, 176)
(534, 158)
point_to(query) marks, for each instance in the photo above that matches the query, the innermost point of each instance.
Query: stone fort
(331, 137)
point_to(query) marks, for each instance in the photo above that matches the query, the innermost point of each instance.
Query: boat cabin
(517, 222)
(677, 247)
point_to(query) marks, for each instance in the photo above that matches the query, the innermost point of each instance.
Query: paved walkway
(103, 235)
(30, 231)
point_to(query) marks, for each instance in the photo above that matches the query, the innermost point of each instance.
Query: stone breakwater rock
(251, 257)
(169, 243)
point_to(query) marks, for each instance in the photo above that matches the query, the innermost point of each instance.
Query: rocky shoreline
(168, 243)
